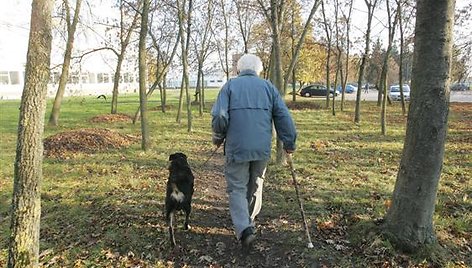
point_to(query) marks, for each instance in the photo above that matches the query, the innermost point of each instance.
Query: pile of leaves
(303, 105)
(108, 118)
(91, 140)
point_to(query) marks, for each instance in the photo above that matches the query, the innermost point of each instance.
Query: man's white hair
(250, 62)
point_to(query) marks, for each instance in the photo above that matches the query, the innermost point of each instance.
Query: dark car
(316, 90)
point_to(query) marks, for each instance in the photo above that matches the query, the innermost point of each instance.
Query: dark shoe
(248, 236)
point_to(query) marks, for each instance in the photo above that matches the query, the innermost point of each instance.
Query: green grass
(105, 209)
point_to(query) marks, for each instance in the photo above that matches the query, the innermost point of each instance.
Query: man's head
(250, 62)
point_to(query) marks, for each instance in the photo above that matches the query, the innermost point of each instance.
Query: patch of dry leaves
(89, 141)
(109, 118)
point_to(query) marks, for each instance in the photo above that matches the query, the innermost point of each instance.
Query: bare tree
(346, 18)
(329, 32)
(23, 249)
(301, 40)
(371, 5)
(246, 14)
(409, 221)
(165, 42)
(202, 42)
(403, 21)
(274, 16)
(392, 24)
(223, 39)
(185, 17)
(145, 141)
(125, 32)
(71, 24)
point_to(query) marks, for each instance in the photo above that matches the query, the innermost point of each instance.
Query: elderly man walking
(242, 118)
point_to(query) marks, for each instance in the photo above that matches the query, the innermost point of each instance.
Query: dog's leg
(187, 217)
(170, 223)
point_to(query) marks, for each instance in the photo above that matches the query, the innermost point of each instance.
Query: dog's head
(178, 159)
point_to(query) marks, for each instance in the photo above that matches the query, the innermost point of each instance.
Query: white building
(94, 74)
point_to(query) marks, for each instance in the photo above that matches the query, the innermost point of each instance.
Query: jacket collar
(247, 72)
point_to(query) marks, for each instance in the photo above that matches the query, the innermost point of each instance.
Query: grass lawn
(105, 209)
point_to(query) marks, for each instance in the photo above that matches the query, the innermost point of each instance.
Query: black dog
(179, 191)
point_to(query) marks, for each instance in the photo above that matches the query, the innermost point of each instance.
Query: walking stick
(300, 203)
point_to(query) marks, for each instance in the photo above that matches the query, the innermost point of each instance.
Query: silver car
(394, 92)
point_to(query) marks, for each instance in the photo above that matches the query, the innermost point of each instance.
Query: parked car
(350, 88)
(394, 92)
(459, 87)
(316, 90)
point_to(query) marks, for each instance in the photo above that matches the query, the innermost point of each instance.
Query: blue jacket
(243, 115)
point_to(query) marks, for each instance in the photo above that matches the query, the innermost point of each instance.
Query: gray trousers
(244, 183)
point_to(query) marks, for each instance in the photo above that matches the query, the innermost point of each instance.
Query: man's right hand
(217, 140)
(289, 151)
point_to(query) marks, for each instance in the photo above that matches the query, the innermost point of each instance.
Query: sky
(14, 30)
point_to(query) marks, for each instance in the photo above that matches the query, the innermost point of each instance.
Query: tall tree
(329, 32)
(300, 42)
(23, 249)
(202, 42)
(392, 18)
(71, 25)
(125, 31)
(346, 18)
(224, 39)
(246, 15)
(274, 16)
(185, 21)
(145, 142)
(409, 221)
(165, 41)
(402, 46)
(371, 5)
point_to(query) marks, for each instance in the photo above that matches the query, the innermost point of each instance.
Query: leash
(300, 203)
(211, 155)
(208, 159)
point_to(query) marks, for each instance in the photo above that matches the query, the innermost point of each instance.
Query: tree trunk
(202, 94)
(23, 249)
(409, 221)
(181, 17)
(116, 83)
(328, 33)
(400, 64)
(164, 93)
(185, 51)
(370, 14)
(391, 35)
(278, 78)
(145, 142)
(125, 36)
(71, 27)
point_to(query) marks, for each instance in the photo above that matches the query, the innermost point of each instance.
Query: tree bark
(409, 221)
(400, 64)
(71, 27)
(23, 249)
(391, 34)
(370, 14)
(328, 32)
(125, 36)
(277, 78)
(145, 142)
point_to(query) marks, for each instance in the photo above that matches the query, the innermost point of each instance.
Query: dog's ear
(172, 157)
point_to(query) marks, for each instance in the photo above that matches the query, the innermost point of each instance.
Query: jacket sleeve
(283, 122)
(220, 113)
